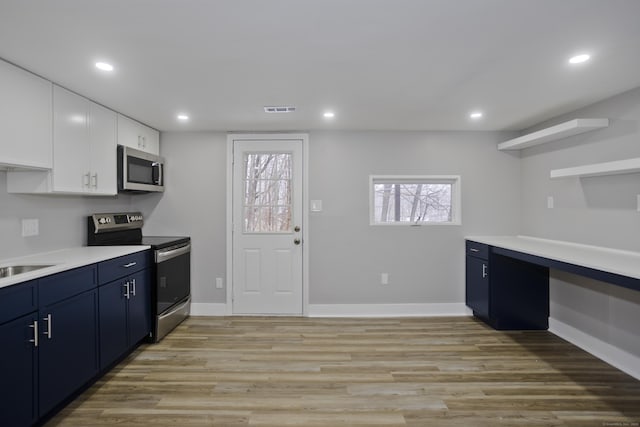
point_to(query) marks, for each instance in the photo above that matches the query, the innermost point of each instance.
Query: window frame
(456, 197)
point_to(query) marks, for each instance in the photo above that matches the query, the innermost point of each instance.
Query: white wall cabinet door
(103, 154)
(138, 136)
(25, 119)
(71, 161)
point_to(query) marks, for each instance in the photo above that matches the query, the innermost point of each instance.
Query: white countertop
(64, 259)
(625, 263)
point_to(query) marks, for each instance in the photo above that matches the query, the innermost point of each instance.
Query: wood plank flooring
(283, 371)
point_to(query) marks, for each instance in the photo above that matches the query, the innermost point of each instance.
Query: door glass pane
(267, 192)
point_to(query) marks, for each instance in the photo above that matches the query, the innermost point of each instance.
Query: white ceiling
(379, 64)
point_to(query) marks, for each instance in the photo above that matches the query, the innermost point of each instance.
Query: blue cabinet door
(113, 322)
(477, 285)
(68, 356)
(140, 307)
(18, 370)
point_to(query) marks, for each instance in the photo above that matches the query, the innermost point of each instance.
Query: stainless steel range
(171, 283)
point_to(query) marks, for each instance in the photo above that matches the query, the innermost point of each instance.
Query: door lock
(296, 241)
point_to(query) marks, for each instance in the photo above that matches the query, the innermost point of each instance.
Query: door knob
(296, 241)
(296, 228)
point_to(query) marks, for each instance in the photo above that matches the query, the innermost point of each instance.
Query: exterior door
(267, 227)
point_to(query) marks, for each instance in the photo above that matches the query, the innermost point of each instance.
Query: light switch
(316, 206)
(550, 202)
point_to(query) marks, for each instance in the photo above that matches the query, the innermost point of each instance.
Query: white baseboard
(388, 310)
(614, 356)
(208, 309)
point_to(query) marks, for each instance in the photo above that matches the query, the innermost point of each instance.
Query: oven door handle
(162, 256)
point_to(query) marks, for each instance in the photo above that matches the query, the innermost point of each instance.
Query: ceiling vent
(279, 109)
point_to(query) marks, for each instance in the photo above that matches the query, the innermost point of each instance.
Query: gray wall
(597, 210)
(63, 222)
(425, 264)
(194, 204)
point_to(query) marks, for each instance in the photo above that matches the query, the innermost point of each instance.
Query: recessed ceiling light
(476, 115)
(182, 117)
(104, 66)
(329, 114)
(579, 59)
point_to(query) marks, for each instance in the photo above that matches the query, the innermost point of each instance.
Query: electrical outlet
(384, 279)
(30, 227)
(219, 282)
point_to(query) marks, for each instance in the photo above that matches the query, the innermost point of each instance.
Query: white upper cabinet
(136, 135)
(25, 119)
(84, 145)
(84, 151)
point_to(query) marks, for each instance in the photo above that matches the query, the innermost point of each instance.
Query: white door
(267, 227)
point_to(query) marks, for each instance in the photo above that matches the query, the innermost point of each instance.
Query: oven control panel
(116, 221)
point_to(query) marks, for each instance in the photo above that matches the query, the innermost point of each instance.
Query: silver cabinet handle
(133, 283)
(484, 270)
(474, 250)
(87, 179)
(49, 324)
(127, 292)
(94, 179)
(34, 325)
(131, 264)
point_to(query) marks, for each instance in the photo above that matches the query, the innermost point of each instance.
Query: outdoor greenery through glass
(267, 192)
(412, 202)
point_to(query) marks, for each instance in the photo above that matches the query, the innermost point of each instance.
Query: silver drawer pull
(131, 264)
(35, 333)
(48, 320)
(474, 250)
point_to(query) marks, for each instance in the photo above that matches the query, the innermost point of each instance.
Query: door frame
(305, 209)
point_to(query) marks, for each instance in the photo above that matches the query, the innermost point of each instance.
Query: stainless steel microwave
(138, 171)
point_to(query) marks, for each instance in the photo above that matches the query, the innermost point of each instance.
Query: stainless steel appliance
(138, 171)
(171, 287)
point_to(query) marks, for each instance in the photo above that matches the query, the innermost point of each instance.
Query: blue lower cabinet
(68, 352)
(124, 315)
(18, 372)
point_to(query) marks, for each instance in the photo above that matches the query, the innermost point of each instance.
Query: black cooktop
(160, 242)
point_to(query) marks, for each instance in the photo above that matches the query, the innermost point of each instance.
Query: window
(414, 200)
(267, 192)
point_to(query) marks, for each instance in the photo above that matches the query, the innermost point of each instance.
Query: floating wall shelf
(553, 133)
(597, 169)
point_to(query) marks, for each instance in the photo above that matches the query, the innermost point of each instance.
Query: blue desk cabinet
(504, 292)
(68, 350)
(125, 314)
(18, 358)
(477, 278)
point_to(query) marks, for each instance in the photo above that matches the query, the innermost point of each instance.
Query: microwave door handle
(159, 166)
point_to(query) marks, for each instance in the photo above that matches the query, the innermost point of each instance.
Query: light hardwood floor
(254, 371)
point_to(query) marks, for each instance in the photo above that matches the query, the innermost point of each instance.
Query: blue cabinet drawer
(122, 266)
(58, 287)
(18, 300)
(478, 250)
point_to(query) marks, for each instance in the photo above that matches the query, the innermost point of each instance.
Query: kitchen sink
(12, 270)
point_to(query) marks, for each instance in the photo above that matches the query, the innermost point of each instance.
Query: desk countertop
(624, 263)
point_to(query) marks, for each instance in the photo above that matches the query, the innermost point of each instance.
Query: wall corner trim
(388, 310)
(626, 362)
